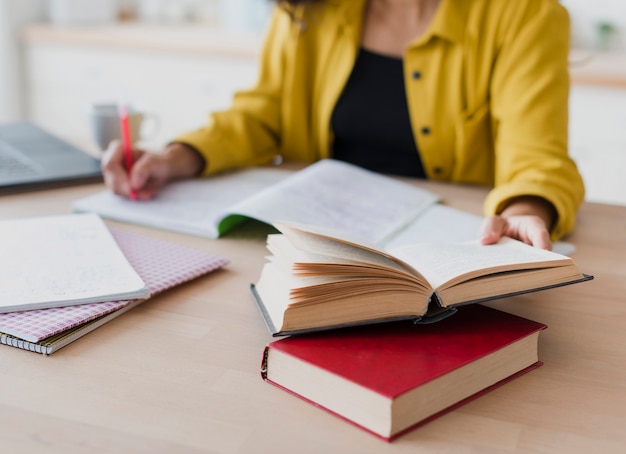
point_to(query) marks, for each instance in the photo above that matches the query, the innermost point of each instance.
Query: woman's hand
(150, 171)
(527, 219)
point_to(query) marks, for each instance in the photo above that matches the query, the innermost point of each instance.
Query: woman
(469, 91)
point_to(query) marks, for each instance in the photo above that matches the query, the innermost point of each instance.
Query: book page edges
(464, 401)
(436, 310)
(275, 332)
(418, 424)
(585, 278)
(291, 229)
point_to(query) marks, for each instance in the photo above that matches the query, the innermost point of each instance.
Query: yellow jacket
(487, 88)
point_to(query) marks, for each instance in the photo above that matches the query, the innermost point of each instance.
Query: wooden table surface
(180, 373)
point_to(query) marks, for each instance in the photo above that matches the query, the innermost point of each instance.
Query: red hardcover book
(390, 378)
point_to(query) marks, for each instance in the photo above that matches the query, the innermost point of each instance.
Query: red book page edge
(429, 418)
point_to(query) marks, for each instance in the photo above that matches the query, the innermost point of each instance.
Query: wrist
(183, 160)
(532, 206)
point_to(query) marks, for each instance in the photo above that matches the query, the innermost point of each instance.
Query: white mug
(105, 127)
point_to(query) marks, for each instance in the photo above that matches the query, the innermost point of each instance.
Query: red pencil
(127, 143)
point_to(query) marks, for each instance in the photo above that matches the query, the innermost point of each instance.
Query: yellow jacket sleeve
(529, 104)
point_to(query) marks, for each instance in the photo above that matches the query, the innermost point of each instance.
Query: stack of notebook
(161, 265)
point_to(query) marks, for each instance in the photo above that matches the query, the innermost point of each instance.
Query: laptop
(33, 159)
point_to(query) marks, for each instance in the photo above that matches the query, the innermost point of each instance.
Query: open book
(319, 279)
(330, 193)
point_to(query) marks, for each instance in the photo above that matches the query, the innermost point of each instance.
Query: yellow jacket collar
(449, 21)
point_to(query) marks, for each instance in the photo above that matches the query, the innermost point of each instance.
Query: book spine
(264, 363)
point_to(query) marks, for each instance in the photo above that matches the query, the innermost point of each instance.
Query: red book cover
(429, 369)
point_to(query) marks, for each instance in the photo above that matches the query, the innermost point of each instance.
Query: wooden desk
(180, 373)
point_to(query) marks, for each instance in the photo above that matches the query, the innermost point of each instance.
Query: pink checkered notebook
(161, 265)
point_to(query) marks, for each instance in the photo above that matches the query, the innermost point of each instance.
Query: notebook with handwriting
(161, 265)
(330, 193)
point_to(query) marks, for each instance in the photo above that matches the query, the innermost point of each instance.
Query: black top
(371, 119)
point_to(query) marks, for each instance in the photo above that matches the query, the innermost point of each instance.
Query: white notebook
(55, 261)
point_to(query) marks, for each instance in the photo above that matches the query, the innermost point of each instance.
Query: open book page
(62, 260)
(302, 244)
(443, 224)
(438, 224)
(341, 264)
(191, 206)
(311, 250)
(342, 197)
(444, 264)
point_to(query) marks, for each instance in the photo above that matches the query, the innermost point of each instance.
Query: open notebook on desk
(331, 193)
